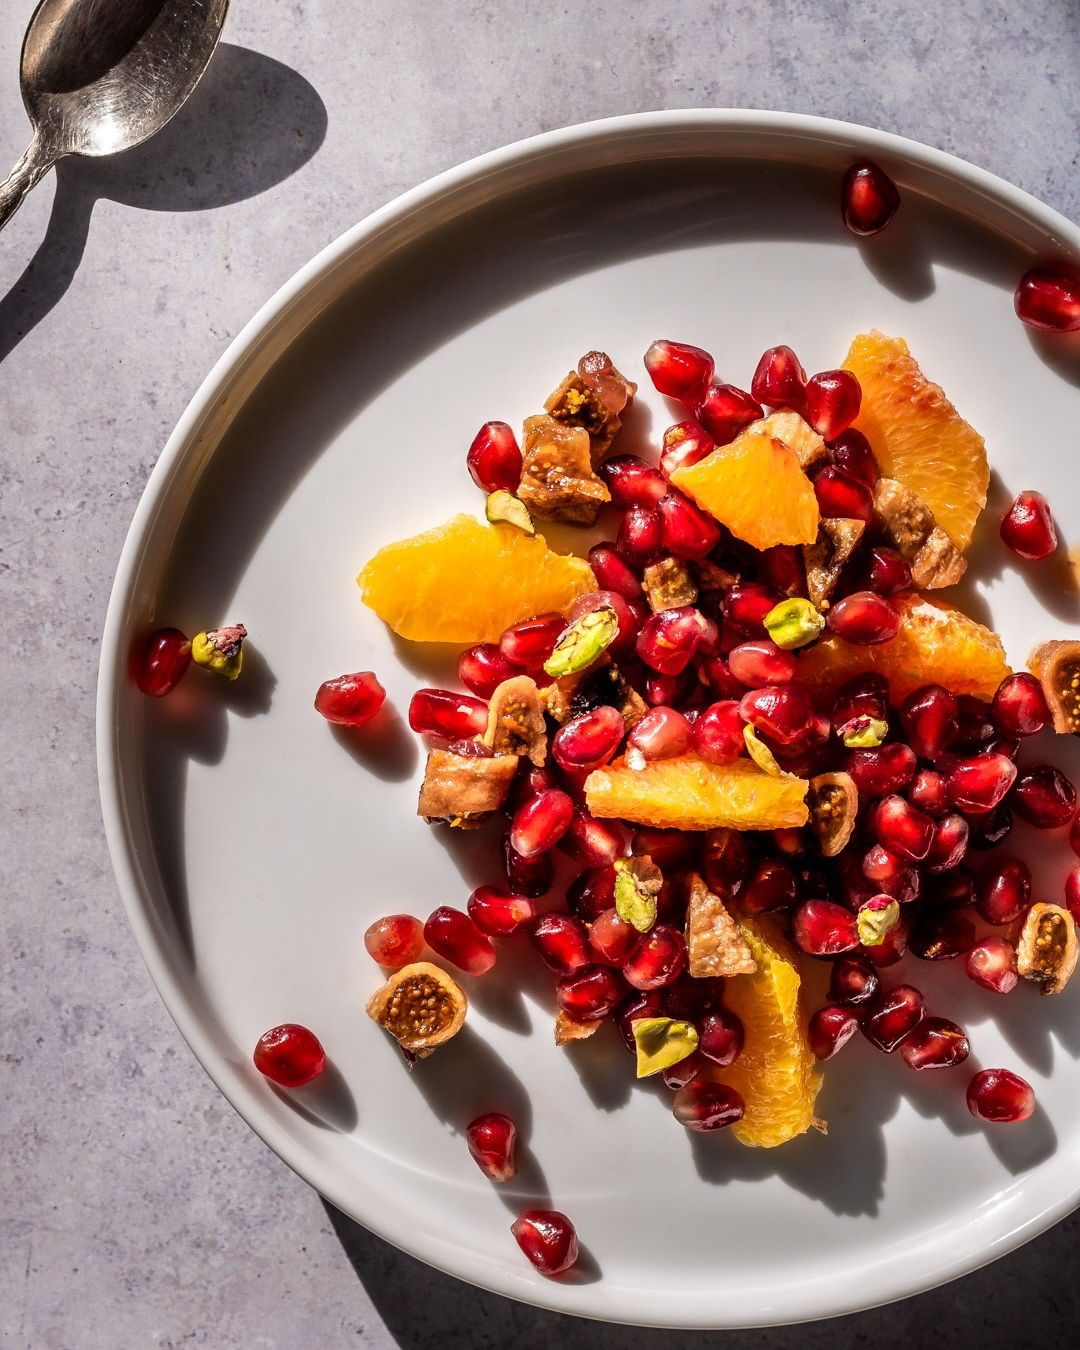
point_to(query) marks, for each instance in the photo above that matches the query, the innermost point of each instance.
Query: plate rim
(112, 668)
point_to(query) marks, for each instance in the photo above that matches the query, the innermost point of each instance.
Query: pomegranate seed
(949, 845)
(1028, 527)
(667, 690)
(936, 1043)
(779, 380)
(494, 460)
(901, 828)
(541, 822)
(1003, 891)
(588, 741)
(942, 937)
(721, 1037)
(1019, 706)
(761, 662)
(563, 942)
(930, 719)
(976, 724)
(1000, 1096)
(632, 482)
(1044, 797)
(725, 861)
(851, 454)
(886, 572)
(689, 999)
(979, 784)
(483, 668)
(591, 893)
(548, 1239)
(992, 963)
(613, 573)
(678, 370)
(952, 889)
(657, 959)
(746, 605)
(840, 495)
(492, 1140)
(1049, 299)
(1072, 893)
(661, 733)
(453, 936)
(685, 530)
(987, 831)
(649, 1003)
(161, 663)
(830, 1029)
(529, 644)
(589, 993)
(771, 885)
(640, 539)
(853, 981)
(439, 712)
(351, 700)
(724, 410)
(832, 402)
(782, 712)
(684, 444)
(590, 842)
(702, 1105)
(289, 1055)
(611, 938)
(669, 639)
(714, 675)
(678, 1075)
(671, 850)
(927, 792)
(531, 877)
(891, 950)
(868, 198)
(864, 619)
(862, 699)
(783, 569)
(894, 1014)
(497, 912)
(822, 928)
(395, 940)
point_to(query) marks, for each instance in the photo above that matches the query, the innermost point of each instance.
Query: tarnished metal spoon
(100, 76)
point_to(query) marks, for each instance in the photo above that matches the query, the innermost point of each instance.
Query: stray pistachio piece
(863, 733)
(583, 642)
(876, 920)
(637, 884)
(760, 753)
(794, 623)
(220, 650)
(662, 1042)
(504, 506)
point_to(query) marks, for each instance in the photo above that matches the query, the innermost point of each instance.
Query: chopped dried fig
(838, 537)
(712, 577)
(516, 723)
(1046, 947)
(798, 435)
(421, 1006)
(833, 800)
(934, 559)
(557, 479)
(594, 397)
(573, 695)
(566, 1029)
(668, 584)
(1056, 665)
(714, 944)
(463, 789)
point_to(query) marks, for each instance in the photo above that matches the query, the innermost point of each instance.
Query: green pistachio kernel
(583, 642)
(503, 506)
(635, 895)
(662, 1042)
(875, 922)
(794, 623)
(760, 753)
(865, 732)
(220, 650)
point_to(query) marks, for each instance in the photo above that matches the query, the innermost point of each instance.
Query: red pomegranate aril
(632, 482)
(949, 844)
(350, 700)
(529, 644)
(657, 959)
(440, 712)
(771, 885)
(589, 993)
(760, 661)
(979, 784)
(1044, 797)
(1019, 707)
(452, 935)
(975, 723)
(717, 679)
(531, 877)
(563, 942)
(689, 999)
(891, 950)
(951, 889)
(721, 1037)
(625, 613)
(894, 1014)
(678, 1075)
(840, 495)
(494, 459)
(1000, 1097)
(891, 874)
(832, 402)
(927, 792)
(853, 981)
(643, 1003)
(830, 1029)
(782, 568)
(162, 662)
(588, 741)
(779, 380)
(1028, 527)
(992, 963)
(669, 639)
(492, 1141)
(590, 842)
(1074, 835)
(686, 531)
(661, 733)
(704, 1105)
(930, 718)
(541, 822)
(886, 572)
(613, 573)
(395, 940)
(822, 928)
(725, 409)
(942, 936)
(667, 690)
(670, 850)
(678, 370)
(863, 619)
(548, 1239)
(483, 668)
(747, 604)
(1003, 891)
(865, 697)
(936, 1043)
(725, 861)
(684, 444)
(611, 938)
(639, 539)
(289, 1055)
(988, 830)
(868, 198)
(1049, 298)
(901, 828)
(589, 894)
(782, 712)
(851, 453)
(1072, 893)
(497, 912)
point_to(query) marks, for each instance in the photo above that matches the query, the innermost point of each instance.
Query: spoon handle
(21, 179)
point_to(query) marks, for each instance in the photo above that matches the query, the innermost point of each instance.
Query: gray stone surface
(135, 1208)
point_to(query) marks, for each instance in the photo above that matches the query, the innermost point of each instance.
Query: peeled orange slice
(465, 582)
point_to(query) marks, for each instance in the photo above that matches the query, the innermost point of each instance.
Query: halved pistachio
(863, 733)
(876, 919)
(793, 623)
(502, 506)
(220, 650)
(760, 753)
(637, 884)
(662, 1042)
(583, 642)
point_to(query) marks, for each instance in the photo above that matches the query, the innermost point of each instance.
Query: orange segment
(936, 644)
(686, 793)
(917, 435)
(466, 582)
(756, 487)
(775, 1074)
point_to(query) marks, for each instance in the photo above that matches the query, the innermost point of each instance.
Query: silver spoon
(100, 76)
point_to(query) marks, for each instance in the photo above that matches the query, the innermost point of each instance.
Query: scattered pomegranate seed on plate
(162, 661)
(1028, 527)
(548, 1239)
(1000, 1097)
(492, 1141)
(1049, 298)
(869, 198)
(289, 1055)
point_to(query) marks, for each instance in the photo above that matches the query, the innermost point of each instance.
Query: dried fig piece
(566, 1029)
(1056, 665)
(572, 695)
(463, 789)
(798, 435)
(934, 559)
(593, 397)
(1046, 947)
(421, 1006)
(833, 800)
(714, 944)
(668, 585)
(838, 537)
(557, 479)
(714, 579)
(516, 723)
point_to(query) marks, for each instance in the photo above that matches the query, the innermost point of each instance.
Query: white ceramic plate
(253, 845)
